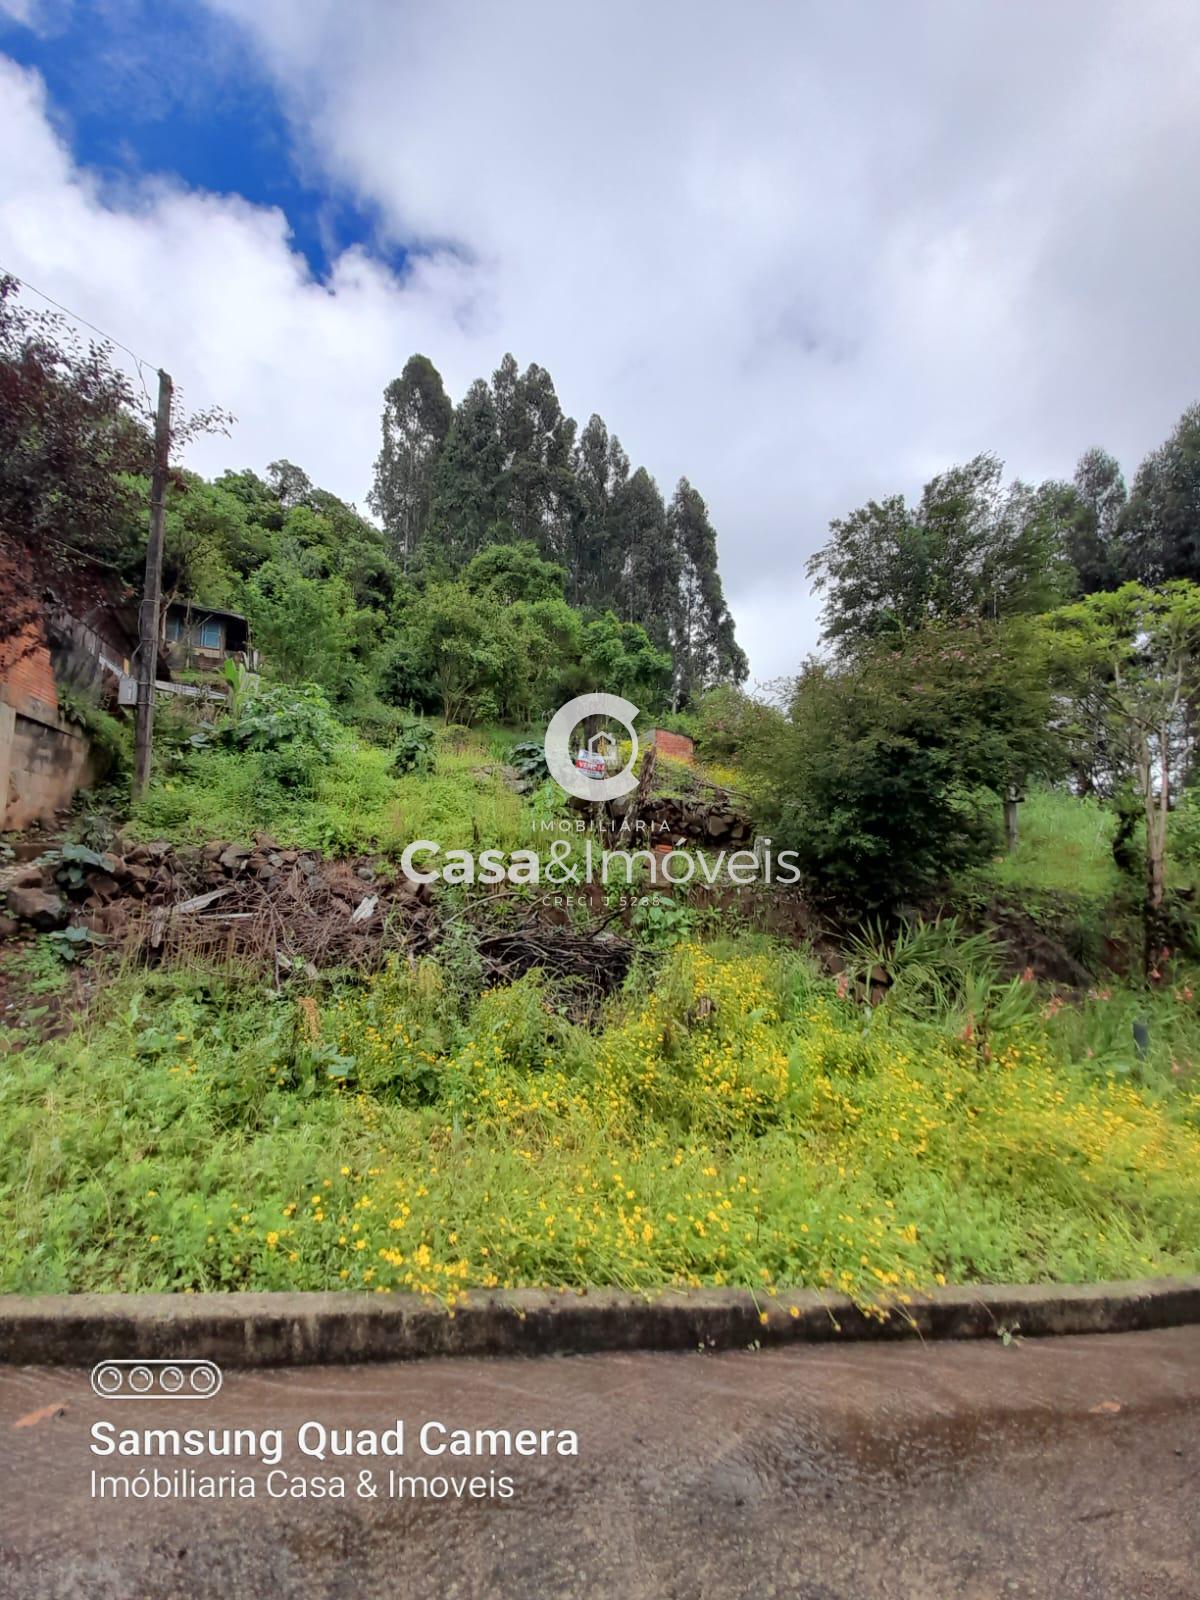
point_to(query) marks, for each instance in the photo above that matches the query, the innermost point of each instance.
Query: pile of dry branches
(595, 960)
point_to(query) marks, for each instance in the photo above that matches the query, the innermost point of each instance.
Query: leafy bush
(73, 944)
(530, 761)
(413, 748)
(660, 921)
(71, 864)
(112, 736)
(280, 715)
(1185, 831)
(726, 719)
(885, 775)
(934, 972)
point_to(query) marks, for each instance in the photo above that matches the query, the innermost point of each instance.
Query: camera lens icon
(156, 1380)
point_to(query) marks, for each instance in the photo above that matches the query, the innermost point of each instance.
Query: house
(195, 643)
(199, 638)
(79, 642)
(76, 638)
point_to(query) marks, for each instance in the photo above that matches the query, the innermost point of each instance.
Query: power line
(140, 361)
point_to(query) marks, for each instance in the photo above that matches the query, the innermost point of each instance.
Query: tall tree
(538, 486)
(73, 440)
(416, 419)
(1094, 522)
(68, 433)
(514, 469)
(1137, 651)
(1161, 523)
(467, 490)
(703, 648)
(886, 773)
(648, 588)
(601, 471)
(969, 548)
(290, 484)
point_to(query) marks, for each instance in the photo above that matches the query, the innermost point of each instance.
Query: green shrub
(529, 759)
(112, 736)
(412, 749)
(886, 772)
(1184, 832)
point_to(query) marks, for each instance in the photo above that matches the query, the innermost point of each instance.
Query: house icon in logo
(586, 774)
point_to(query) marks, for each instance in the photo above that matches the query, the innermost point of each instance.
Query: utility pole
(148, 619)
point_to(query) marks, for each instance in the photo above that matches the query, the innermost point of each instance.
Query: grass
(351, 802)
(734, 1121)
(1065, 847)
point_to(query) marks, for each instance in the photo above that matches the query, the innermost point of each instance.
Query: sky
(804, 254)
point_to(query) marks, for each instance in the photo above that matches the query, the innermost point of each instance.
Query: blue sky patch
(167, 88)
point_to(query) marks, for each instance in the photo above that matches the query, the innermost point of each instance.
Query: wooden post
(148, 618)
(1012, 831)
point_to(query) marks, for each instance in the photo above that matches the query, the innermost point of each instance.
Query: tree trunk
(1156, 849)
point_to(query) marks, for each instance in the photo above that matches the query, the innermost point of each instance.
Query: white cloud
(803, 254)
(210, 288)
(22, 11)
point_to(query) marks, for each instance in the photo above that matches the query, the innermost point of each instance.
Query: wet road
(1062, 1468)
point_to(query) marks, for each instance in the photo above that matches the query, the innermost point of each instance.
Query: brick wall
(26, 674)
(43, 760)
(672, 744)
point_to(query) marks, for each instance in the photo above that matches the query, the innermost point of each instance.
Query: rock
(103, 885)
(365, 908)
(152, 851)
(38, 907)
(367, 874)
(233, 855)
(28, 877)
(212, 850)
(9, 927)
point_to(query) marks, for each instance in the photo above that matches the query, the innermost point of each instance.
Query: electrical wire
(141, 362)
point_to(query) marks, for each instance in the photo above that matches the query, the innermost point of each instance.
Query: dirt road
(1061, 1468)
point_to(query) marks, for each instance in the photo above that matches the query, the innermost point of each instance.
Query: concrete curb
(269, 1330)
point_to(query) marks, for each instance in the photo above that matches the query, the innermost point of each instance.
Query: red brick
(673, 744)
(26, 675)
